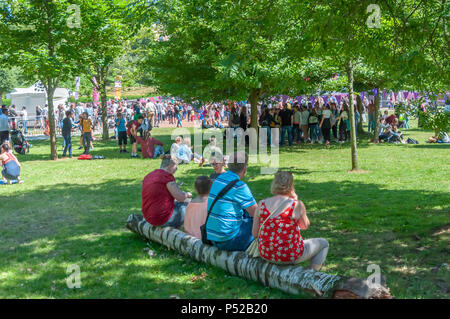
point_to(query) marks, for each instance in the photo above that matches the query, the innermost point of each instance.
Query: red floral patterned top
(280, 238)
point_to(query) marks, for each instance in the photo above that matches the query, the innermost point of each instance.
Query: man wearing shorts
(121, 133)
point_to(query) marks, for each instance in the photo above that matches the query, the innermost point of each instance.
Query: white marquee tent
(36, 95)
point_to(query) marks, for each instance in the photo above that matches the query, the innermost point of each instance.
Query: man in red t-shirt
(162, 200)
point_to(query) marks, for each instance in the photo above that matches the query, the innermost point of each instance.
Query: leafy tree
(219, 50)
(39, 36)
(105, 31)
(8, 80)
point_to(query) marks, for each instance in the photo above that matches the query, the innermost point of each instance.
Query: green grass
(74, 212)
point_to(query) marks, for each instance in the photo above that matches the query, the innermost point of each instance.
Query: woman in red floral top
(281, 217)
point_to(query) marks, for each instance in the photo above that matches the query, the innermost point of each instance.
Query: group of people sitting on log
(230, 216)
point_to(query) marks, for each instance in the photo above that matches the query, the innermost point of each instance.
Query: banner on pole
(95, 94)
(118, 87)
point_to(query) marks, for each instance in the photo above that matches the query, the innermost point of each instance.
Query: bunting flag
(416, 95)
(77, 87)
(384, 94)
(395, 97)
(338, 99)
(374, 91)
(325, 100)
(312, 99)
(299, 100)
(284, 98)
(118, 87)
(405, 95)
(363, 93)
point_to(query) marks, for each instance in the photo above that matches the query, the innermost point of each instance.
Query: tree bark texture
(352, 117)
(288, 278)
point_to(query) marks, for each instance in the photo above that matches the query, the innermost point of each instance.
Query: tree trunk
(104, 112)
(290, 279)
(352, 117)
(51, 122)
(376, 116)
(254, 97)
(360, 107)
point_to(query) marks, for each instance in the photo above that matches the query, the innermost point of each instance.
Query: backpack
(264, 121)
(85, 157)
(411, 141)
(235, 119)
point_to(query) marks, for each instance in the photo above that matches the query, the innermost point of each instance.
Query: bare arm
(255, 228)
(177, 193)
(252, 210)
(303, 221)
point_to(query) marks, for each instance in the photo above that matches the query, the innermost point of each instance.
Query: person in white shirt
(151, 110)
(24, 119)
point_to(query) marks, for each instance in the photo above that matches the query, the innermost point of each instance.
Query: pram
(19, 142)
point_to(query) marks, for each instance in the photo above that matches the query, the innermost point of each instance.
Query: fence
(36, 125)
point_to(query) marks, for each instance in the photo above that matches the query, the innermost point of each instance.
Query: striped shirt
(226, 216)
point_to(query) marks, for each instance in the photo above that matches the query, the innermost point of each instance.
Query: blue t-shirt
(226, 216)
(121, 125)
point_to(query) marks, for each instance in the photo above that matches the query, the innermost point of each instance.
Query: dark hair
(6, 147)
(68, 113)
(140, 117)
(203, 185)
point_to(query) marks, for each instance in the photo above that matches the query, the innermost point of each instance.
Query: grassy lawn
(74, 212)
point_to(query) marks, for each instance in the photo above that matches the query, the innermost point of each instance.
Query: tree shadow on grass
(67, 223)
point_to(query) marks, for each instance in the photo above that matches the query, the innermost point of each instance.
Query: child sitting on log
(196, 210)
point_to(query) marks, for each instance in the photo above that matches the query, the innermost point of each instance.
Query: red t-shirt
(148, 146)
(134, 124)
(390, 119)
(157, 202)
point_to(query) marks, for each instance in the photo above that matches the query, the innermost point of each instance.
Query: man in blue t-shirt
(121, 133)
(229, 226)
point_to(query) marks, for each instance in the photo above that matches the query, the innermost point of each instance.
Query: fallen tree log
(290, 279)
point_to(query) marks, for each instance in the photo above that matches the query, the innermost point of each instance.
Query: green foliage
(404, 232)
(436, 118)
(8, 80)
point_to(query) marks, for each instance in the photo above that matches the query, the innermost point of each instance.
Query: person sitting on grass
(278, 222)
(176, 146)
(384, 130)
(206, 123)
(196, 209)
(163, 202)
(209, 149)
(217, 161)
(10, 164)
(185, 154)
(151, 147)
(442, 137)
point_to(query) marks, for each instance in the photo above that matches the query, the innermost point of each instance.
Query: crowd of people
(226, 215)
